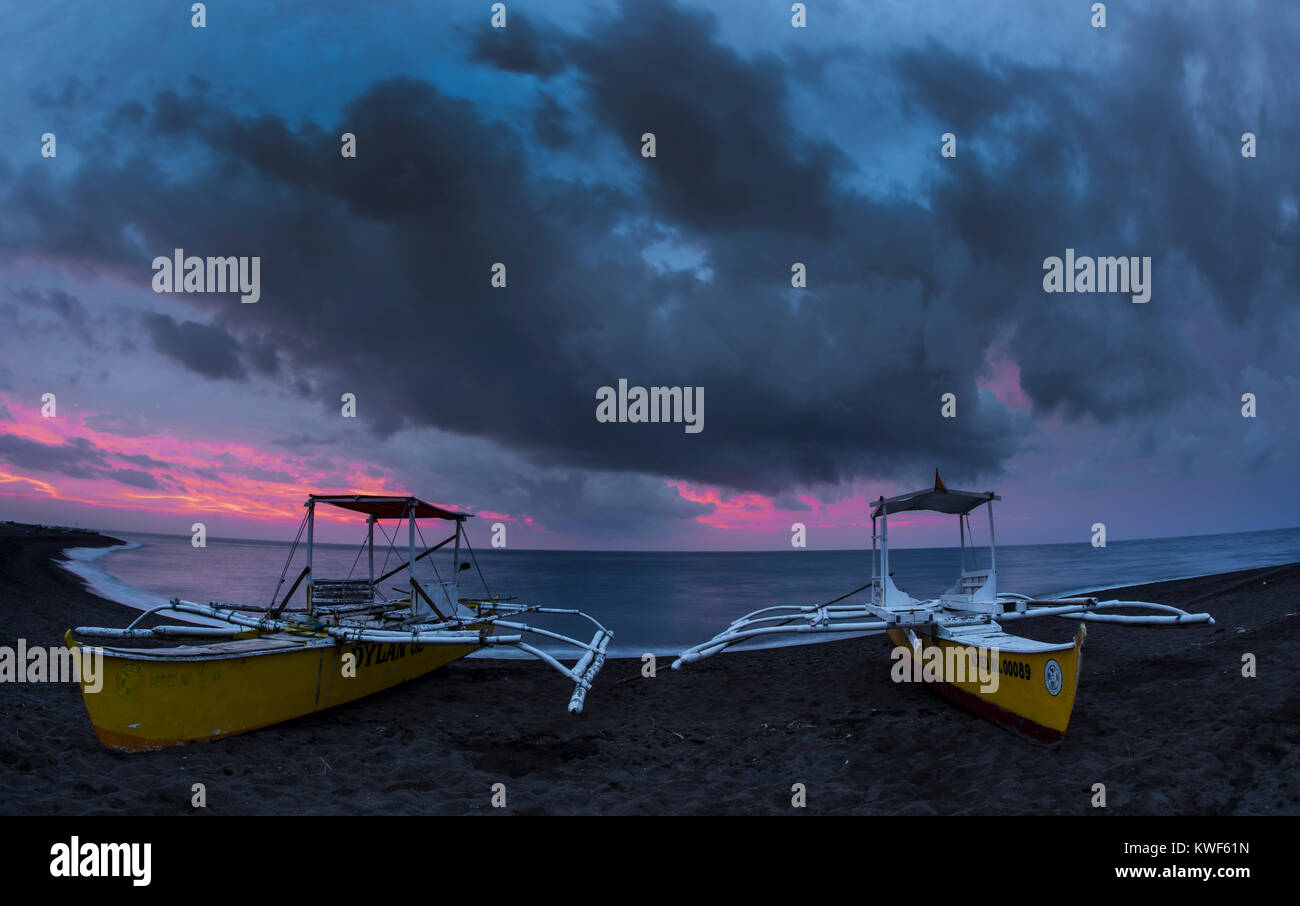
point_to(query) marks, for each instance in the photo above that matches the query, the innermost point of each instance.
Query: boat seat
(342, 593)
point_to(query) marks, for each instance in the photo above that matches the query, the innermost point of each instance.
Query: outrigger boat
(257, 666)
(955, 642)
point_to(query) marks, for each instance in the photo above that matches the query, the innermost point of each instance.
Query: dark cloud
(521, 47)
(262, 357)
(120, 423)
(233, 464)
(78, 458)
(378, 268)
(730, 157)
(128, 115)
(72, 92)
(303, 440)
(960, 91)
(133, 477)
(551, 123)
(173, 114)
(203, 349)
(63, 304)
(789, 502)
(142, 460)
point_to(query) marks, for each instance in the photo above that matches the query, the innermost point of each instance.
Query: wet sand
(1163, 718)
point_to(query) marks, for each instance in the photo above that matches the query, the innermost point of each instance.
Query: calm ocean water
(664, 602)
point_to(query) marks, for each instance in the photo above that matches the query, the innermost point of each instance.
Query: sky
(774, 145)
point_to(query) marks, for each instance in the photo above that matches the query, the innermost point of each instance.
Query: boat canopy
(388, 507)
(938, 499)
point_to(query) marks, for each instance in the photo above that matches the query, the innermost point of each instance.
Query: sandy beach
(1164, 719)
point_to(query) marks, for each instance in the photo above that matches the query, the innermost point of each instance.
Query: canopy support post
(410, 558)
(455, 570)
(961, 531)
(874, 565)
(993, 551)
(370, 544)
(884, 554)
(311, 525)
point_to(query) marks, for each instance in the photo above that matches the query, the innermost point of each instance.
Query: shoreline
(1163, 718)
(135, 599)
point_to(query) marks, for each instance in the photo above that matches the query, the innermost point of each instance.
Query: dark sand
(1163, 718)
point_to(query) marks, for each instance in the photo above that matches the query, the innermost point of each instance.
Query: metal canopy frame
(369, 618)
(376, 508)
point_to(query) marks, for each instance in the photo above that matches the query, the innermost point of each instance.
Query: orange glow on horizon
(191, 477)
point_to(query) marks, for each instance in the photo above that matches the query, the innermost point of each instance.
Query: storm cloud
(376, 270)
(203, 349)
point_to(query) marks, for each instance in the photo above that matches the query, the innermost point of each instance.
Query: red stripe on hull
(1021, 726)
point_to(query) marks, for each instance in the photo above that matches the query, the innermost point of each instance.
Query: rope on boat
(481, 578)
(302, 526)
(361, 550)
(849, 595)
(392, 544)
(816, 619)
(437, 575)
(814, 607)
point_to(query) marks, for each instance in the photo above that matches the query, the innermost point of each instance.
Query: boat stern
(1024, 686)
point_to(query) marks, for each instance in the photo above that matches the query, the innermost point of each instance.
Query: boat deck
(991, 635)
(265, 644)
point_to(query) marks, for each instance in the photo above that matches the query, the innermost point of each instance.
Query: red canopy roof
(388, 507)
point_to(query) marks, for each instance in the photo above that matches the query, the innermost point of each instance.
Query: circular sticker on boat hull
(1052, 677)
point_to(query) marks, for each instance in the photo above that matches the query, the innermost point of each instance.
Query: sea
(659, 602)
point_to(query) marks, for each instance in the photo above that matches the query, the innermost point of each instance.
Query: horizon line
(558, 550)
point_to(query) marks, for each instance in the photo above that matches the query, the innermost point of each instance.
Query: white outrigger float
(955, 642)
(264, 665)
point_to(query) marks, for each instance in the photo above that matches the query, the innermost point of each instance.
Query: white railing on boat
(1086, 609)
(862, 620)
(475, 629)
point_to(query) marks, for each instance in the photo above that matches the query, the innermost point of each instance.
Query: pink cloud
(192, 477)
(1003, 380)
(752, 512)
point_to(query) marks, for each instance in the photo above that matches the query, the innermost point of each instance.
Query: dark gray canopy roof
(955, 503)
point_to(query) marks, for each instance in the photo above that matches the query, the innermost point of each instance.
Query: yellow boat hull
(1035, 690)
(153, 698)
